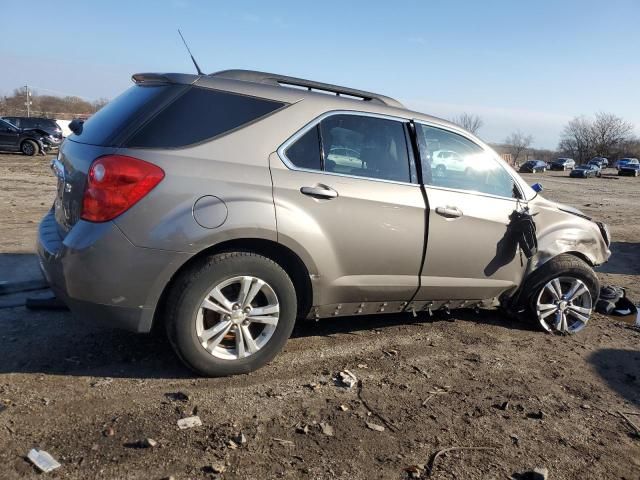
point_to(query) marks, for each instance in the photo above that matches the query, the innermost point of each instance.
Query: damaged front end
(564, 229)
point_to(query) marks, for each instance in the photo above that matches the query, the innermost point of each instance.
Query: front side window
(452, 161)
(355, 145)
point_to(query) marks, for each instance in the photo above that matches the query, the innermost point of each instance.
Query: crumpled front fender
(566, 230)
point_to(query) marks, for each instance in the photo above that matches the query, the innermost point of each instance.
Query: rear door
(346, 192)
(469, 254)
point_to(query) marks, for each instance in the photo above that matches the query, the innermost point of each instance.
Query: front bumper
(100, 275)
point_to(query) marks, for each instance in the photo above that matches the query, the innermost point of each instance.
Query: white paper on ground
(43, 460)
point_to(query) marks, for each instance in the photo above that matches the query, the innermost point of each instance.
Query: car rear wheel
(562, 295)
(440, 171)
(29, 147)
(231, 314)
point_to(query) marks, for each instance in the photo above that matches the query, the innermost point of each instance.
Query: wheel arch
(289, 260)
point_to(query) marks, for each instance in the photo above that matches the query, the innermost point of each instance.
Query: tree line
(582, 138)
(64, 108)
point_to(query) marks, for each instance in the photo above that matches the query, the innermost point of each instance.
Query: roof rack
(310, 85)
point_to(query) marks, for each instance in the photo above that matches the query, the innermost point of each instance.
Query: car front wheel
(232, 313)
(29, 147)
(563, 293)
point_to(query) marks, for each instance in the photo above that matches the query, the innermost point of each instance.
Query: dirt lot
(88, 395)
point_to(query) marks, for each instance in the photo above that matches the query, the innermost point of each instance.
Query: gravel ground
(90, 395)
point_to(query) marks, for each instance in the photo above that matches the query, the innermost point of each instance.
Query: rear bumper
(102, 276)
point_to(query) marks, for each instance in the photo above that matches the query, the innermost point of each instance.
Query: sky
(528, 65)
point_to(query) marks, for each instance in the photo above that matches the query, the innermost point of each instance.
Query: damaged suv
(224, 207)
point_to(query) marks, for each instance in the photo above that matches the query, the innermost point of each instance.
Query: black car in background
(586, 171)
(563, 164)
(533, 166)
(28, 141)
(49, 125)
(630, 167)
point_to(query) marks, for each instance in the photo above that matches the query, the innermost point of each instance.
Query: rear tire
(570, 271)
(29, 148)
(240, 346)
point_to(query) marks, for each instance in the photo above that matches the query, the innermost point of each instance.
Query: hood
(572, 210)
(36, 131)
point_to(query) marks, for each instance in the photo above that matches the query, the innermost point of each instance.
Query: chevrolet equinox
(224, 207)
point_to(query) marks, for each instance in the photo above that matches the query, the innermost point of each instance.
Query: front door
(470, 254)
(345, 192)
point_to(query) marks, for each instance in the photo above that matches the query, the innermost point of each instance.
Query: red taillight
(114, 184)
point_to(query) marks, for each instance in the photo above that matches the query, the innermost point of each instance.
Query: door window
(355, 145)
(452, 161)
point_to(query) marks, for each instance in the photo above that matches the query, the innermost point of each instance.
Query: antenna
(190, 54)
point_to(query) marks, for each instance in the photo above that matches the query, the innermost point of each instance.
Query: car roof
(293, 90)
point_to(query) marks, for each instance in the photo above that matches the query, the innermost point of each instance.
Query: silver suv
(224, 207)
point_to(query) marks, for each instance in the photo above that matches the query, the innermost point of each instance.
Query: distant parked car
(444, 161)
(49, 125)
(586, 171)
(631, 167)
(28, 141)
(563, 164)
(624, 161)
(64, 126)
(533, 166)
(600, 161)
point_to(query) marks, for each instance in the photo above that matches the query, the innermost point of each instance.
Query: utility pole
(28, 102)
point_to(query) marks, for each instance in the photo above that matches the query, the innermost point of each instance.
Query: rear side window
(110, 120)
(355, 145)
(305, 152)
(198, 115)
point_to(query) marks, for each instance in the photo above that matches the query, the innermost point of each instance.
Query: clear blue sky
(530, 65)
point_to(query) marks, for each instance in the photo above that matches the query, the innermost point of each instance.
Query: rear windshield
(102, 127)
(171, 116)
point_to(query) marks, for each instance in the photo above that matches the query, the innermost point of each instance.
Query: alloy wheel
(28, 149)
(237, 317)
(564, 305)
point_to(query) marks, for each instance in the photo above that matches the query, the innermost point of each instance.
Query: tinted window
(468, 168)
(117, 114)
(305, 152)
(200, 114)
(365, 147)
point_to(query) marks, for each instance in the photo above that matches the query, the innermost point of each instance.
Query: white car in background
(64, 126)
(443, 161)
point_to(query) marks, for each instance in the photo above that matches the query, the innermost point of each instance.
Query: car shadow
(56, 343)
(625, 259)
(620, 369)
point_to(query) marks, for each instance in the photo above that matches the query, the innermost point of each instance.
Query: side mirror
(537, 187)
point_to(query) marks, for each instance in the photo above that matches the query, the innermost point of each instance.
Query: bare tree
(583, 138)
(469, 121)
(609, 132)
(518, 143)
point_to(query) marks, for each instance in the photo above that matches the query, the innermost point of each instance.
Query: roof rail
(310, 85)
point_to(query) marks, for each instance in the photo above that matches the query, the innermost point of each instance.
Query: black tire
(561, 266)
(440, 171)
(190, 289)
(29, 148)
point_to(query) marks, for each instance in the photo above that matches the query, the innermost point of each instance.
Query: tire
(29, 148)
(564, 266)
(440, 171)
(184, 312)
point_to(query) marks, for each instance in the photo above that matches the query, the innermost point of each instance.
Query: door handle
(319, 191)
(449, 212)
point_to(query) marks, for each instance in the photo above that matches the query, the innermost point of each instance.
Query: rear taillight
(114, 184)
